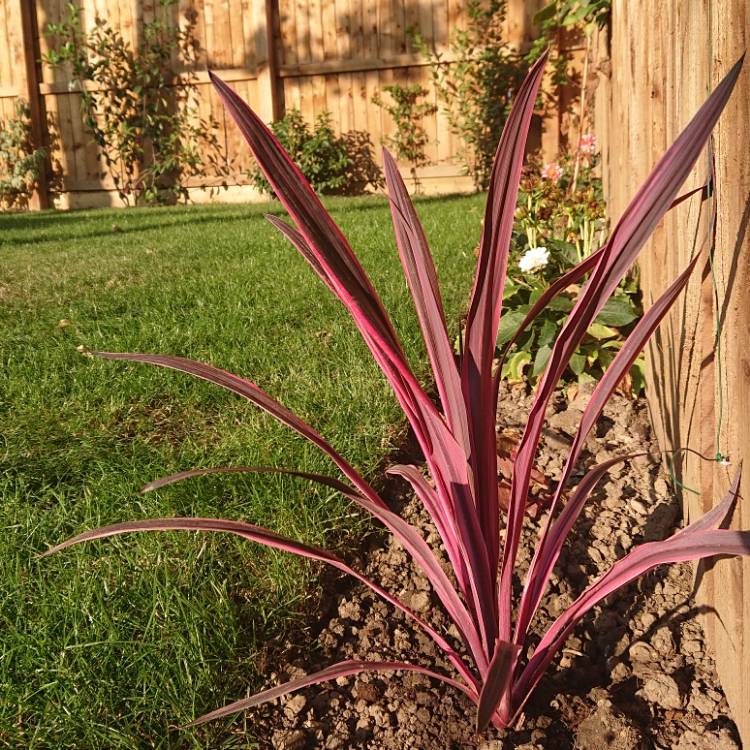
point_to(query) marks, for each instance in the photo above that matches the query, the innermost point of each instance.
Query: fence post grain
(32, 61)
(269, 95)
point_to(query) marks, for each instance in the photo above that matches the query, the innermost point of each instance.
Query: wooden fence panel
(699, 392)
(315, 55)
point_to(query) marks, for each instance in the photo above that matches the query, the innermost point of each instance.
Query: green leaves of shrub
(20, 162)
(148, 131)
(334, 165)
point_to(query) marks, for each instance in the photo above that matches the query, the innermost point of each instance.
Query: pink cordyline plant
(493, 665)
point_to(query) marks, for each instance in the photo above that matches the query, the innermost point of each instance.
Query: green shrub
(149, 135)
(407, 113)
(20, 162)
(477, 85)
(334, 165)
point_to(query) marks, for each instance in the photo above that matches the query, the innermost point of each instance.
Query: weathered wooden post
(270, 100)
(32, 62)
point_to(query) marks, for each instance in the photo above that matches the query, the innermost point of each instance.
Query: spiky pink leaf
(320, 232)
(422, 280)
(483, 318)
(302, 247)
(444, 523)
(271, 539)
(679, 548)
(546, 554)
(370, 501)
(257, 396)
(445, 457)
(717, 516)
(551, 542)
(497, 683)
(342, 669)
(638, 221)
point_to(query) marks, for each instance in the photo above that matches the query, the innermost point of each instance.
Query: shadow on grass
(55, 226)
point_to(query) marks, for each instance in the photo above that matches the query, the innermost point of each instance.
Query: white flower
(534, 258)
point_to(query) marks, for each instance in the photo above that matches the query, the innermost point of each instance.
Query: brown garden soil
(635, 674)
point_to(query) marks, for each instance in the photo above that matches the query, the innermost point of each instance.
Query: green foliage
(569, 225)
(477, 85)
(561, 18)
(334, 165)
(20, 162)
(407, 113)
(181, 621)
(148, 131)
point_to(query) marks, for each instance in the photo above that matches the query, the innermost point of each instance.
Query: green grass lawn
(112, 644)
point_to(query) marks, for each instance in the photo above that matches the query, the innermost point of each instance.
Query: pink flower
(588, 143)
(552, 171)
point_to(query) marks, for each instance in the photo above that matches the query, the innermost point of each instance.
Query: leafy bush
(20, 162)
(333, 165)
(148, 131)
(497, 666)
(556, 21)
(558, 225)
(407, 112)
(478, 84)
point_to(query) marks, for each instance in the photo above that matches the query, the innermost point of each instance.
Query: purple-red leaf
(320, 232)
(546, 554)
(444, 523)
(302, 247)
(423, 283)
(483, 318)
(370, 501)
(638, 221)
(497, 683)
(551, 542)
(342, 669)
(687, 545)
(260, 398)
(445, 457)
(271, 539)
(334, 484)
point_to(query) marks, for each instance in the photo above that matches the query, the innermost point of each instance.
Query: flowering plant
(494, 664)
(558, 225)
